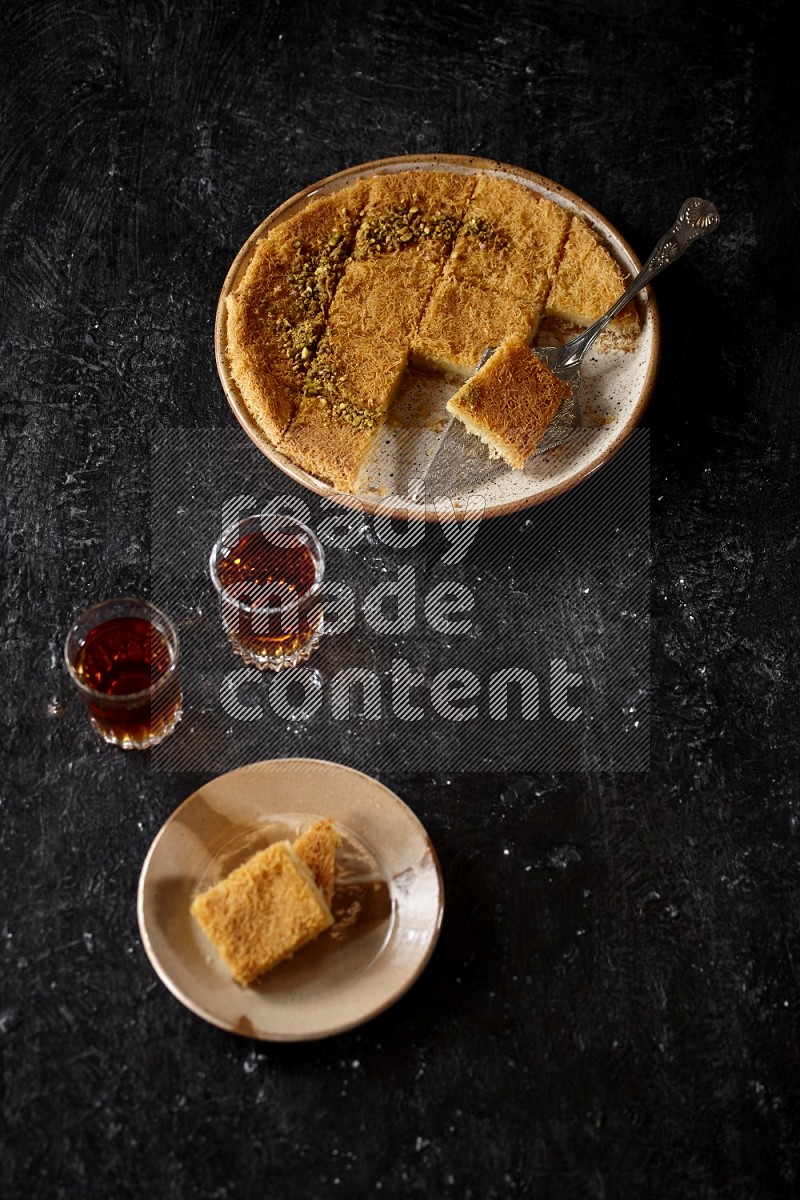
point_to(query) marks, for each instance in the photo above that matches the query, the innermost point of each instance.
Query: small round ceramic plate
(387, 907)
(615, 387)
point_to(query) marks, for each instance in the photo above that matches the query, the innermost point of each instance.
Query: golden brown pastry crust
(462, 320)
(510, 238)
(383, 298)
(586, 284)
(413, 212)
(331, 450)
(262, 912)
(317, 847)
(510, 401)
(356, 378)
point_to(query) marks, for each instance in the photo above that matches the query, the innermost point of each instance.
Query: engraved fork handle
(696, 218)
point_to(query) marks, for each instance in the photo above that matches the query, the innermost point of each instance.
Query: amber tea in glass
(268, 572)
(122, 656)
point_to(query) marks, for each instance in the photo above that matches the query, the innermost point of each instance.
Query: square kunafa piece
(510, 401)
(462, 321)
(510, 238)
(329, 448)
(356, 378)
(416, 212)
(382, 298)
(262, 912)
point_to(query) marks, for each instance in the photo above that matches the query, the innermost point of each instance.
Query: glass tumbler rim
(127, 698)
(235, 527)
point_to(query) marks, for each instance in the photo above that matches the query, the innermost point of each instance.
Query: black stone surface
(612, 1009)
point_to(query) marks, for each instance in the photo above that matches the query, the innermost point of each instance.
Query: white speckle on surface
(561, 856)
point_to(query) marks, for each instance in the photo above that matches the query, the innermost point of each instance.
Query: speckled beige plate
(616, 386)
(388, 904)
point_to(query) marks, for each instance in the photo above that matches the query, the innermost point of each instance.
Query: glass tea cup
(123, 657)
(268, 571)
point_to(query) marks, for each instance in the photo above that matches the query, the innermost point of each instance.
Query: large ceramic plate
(388, 903)
(616, 387)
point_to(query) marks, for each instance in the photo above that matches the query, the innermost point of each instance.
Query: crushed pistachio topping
(298, 342)
(313, 281)
(403, 225)
(323, 378)
(326, 385)
(487, 234)
(343, 410)
(316, 271)
(313, 277)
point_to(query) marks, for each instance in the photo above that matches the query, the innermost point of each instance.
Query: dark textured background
(612, 1010)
